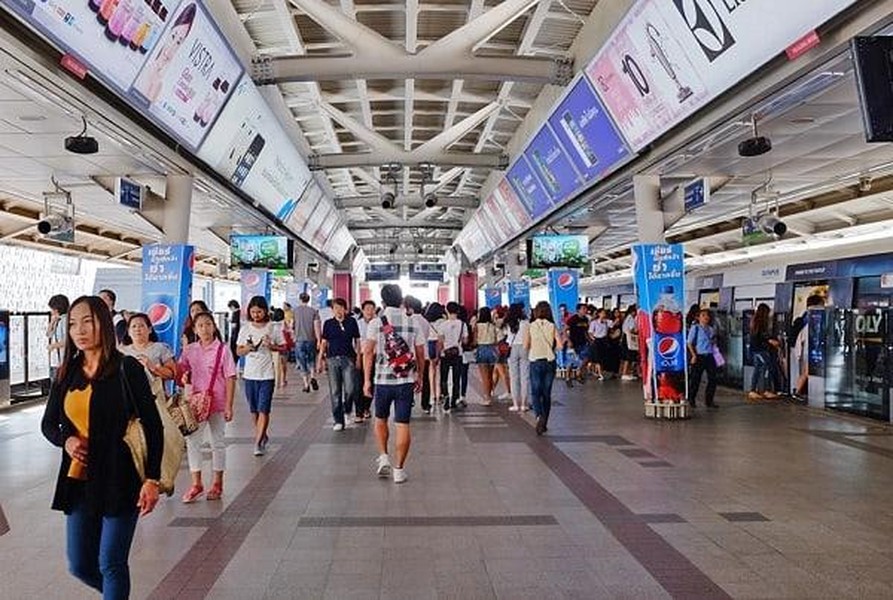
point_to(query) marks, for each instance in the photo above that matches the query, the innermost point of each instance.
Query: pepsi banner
(167, 289)
(492, 297)
(563, 289)
(660, 291)
(256, 282)
(519, 293)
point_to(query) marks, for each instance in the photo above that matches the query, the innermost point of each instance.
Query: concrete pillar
(177, 208)
(649, 212)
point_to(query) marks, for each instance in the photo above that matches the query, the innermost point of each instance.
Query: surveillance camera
(430, 200)
(387, 200)
(50, 224)
(772, 225)
(865, 184)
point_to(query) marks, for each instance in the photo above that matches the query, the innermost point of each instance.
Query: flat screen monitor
(545, 251)
(252, 251)
(873, 59)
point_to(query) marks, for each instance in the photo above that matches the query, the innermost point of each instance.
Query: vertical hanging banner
(167, 289)
(443, 293)
(519, 293)
(320, 298)
(255, 282)
(660, 290)
(492, 297)
(563, 289)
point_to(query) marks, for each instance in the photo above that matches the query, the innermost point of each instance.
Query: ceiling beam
(300, 102)
(411, 200)
(366, 225)
(398, 156)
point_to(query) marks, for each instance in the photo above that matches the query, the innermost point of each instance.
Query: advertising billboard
(529, 190)
(552, 165)
(261, 252)
(167, 289)
(545, 251)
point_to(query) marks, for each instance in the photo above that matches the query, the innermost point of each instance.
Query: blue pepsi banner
(519, 293)
(167, 289)
(587, 133)
(320, 297)
(526, 185)
(552, 165)
(492, 297)
(257, 282)
(660, 291)
(564, 289)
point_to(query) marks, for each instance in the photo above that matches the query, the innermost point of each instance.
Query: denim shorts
(259, 393)
(305, 355)
(400, 395)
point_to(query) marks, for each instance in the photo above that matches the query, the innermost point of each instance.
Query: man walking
(307, 334)
(340, 341)
(363, 403)
(397, 349)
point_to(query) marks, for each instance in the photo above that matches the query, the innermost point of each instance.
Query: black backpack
(399, 355)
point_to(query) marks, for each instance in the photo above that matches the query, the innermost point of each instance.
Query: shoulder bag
(135, 438)
(200, 402)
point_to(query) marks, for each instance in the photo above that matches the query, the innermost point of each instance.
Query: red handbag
(200, 402)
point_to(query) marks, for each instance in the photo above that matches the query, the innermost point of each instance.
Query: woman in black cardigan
(87, 413)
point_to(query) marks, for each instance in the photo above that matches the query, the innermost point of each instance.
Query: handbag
(718, 358)
(503, 348)
(200, 402)
(181, 414)
(135, 438)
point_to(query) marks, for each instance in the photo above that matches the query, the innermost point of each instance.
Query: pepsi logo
(566, 281)
(251, 279)
(162, 317)
(668, 347)
(493, 293)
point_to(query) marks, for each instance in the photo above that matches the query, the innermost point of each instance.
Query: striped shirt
(406, 328)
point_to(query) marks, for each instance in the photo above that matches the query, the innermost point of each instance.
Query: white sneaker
(399, 475)
(627, 378)
(383, 466)
(514, 409)
(338, 427)
(505, 396)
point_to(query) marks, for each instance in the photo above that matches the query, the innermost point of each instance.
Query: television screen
(544, 251)
(252, 251)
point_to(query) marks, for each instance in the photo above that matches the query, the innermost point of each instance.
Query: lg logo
(707, 26)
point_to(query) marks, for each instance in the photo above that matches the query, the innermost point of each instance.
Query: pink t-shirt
(199, 360)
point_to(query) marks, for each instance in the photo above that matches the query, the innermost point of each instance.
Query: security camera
(387, 200)
(772, 225)
(865, 184)
(52, 223)
(430, 200)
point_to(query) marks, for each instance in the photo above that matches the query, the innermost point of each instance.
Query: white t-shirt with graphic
(259, 363)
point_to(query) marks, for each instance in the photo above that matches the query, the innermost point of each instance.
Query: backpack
(399, 355)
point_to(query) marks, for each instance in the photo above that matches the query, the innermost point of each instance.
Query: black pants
(362, 402)
(705, 362)
(426, 386)
(447, 364)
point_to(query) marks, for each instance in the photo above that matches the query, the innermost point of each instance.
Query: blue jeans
(98, 548)
(259, 393)
(341, 385)
(305, 356)
(542, 374)
(760, 371)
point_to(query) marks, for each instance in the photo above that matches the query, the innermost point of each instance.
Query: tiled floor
(765, 501)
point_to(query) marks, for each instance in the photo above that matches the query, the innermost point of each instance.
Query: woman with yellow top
(541, 339)
(98, 487)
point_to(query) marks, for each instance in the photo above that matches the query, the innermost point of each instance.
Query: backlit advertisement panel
(112, 39)
(189, 76)
(552, 165)
(167, 289)
(297, 220)
(529, 190)
(584, 128)
(509, 202)
(496, 215)
(248, 147)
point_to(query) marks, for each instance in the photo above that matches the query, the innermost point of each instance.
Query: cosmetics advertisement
(564, 288)
(167, 289)
(519, 293)
(112, 38)
(552, 165)
(256, 282)
(189, 76)
(585, 130)
(248, 147)
(529, 190)
(660, 294)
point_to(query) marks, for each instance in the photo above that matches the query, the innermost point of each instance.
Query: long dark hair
(210, 316)
(435, 312)
(515, 316)
(543, 310)
(187, 327)
(153, 337)
(484, 315)
(259, 302)
(760, 321)
(109, 358)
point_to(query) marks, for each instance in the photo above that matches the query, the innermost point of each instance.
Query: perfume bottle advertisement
(644, 77)
(552, 165)
(248, 147)
(585, 130)
(112, 38)
(529, 189)
(189, 76)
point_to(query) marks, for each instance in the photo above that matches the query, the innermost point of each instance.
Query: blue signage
(426, 271)
(129, 193)
(587, 133)
(492, 297)
(529, 189)
(256, 282)
(387, 272)
(862, 266)
(660, 289)
(167, 289)
(564, 289)
(552, 165)
(519, 293)
(696, 194)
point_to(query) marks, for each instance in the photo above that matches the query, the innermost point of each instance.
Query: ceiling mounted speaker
(82, 143)
(755, 146)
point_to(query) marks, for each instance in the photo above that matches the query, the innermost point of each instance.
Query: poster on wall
(189, 75)
(585, 130)
(167, 289)
(553, 167)
(660, 293)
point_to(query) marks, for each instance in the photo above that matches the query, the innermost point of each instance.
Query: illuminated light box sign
(129, 193)
(248, 147)
(311, 198)
(546, 251)
(427, 271)
(511, 204)
(529, 190)
(113, 39)
(552, 166)
(339, 244)
(189, 76)
(584, 128)
(261, 252)
(668, 59)
(383, 272)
